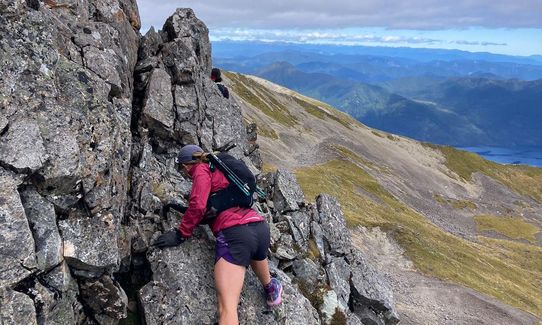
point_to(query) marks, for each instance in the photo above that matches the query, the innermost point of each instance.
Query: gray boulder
(285, 249)
(158, 106)
(42, 219)
(180, 295)
(17, 243)
(308, 271)
(182, 288)
(90, 244)
(338, 273)
(287, 193)
(104, 297)
(299, 223)
(331, 219)
(17, 308)
(21, 146)
(369, 289)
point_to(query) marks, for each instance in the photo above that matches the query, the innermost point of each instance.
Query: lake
(531, 156)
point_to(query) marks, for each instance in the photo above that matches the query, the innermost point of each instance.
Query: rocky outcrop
(66, 94)
(91, 117)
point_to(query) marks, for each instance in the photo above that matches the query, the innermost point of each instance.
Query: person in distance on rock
(242, 237)
(217, 78)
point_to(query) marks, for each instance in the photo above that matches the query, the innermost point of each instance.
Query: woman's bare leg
(261, 268)
(229, 280)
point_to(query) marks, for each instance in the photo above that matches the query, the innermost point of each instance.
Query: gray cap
(185, 155)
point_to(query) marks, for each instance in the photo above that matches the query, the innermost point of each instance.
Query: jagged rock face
(68, 84)
(92, 116)
(65, 143)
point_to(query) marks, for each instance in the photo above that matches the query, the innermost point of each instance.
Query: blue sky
(497, 26)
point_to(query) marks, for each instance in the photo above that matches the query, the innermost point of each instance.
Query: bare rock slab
(16, 242)
(90, 243)
(288, 195)
(21, 147)
(158, 109)
(179, 294)
(333, 225)
(17, 308)
(42, 219)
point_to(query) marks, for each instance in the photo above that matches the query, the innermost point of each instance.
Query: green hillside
(499, 262)
(510, 271)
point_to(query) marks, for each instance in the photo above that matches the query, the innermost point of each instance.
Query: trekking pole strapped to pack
(229, 173)
(244, 186)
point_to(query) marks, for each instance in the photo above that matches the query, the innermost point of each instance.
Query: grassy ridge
(509, 271)
(266, 101)
(261, 98)
(524, 180)
(458, 204)
(320, 113)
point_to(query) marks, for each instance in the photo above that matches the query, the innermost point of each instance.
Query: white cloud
(314, 37)
(476, 43)
(394, 14)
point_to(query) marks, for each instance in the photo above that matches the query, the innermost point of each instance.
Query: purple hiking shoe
(273, 291)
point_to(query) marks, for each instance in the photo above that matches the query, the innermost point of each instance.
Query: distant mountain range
(233, 49)
(463, 102)
(378, 69)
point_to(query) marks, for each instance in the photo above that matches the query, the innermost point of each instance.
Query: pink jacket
(205, 182)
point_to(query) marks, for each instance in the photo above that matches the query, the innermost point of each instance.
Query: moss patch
(267, 132)
(313, 252)
(339, 318)
(458, 204)
(511, 227)
(491, 266)
(315, 295)
(268, 168)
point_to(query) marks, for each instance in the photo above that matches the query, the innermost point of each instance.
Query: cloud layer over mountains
(408, 14)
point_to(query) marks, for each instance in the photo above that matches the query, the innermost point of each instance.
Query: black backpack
(240, 191)
(224, 90)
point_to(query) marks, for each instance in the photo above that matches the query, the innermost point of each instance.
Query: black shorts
(242, 244)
